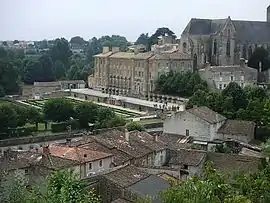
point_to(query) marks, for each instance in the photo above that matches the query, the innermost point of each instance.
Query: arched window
(215, 47)
(249, 51)
(195, 62)
(229, 32)
(228, 48)
(184, 47)
(244, 54)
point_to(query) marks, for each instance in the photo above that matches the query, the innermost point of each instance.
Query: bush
(22, 131)
(131, 126)
(61, 127)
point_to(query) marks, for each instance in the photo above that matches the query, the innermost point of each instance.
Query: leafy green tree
(266, 114)
(255, 92)
(131, 126)
(58, 110)
(21, 114)
(198, 99)
(47, 73)
(77, 40)
(34, 116)
(59, 69)
(163, 31)
(2, 91)
(115, 121)
(61, 51)
(238, 95)
(86, 112)
(143, 39)
(33, 72)
(9, 78)
(8, 117)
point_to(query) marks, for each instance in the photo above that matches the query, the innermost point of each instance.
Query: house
(190, 162)
(129, 183)
(219, 77)
(144, 149)
(205, 125)
(91, 162)
(233, 162)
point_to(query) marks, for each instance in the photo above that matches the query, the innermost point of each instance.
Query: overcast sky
(48, 19)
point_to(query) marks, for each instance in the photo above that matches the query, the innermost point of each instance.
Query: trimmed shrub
(62, 126)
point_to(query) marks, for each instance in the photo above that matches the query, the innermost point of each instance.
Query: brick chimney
(126, 135)
(46, 150)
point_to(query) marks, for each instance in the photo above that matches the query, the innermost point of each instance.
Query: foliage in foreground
(216, 187)
(132, 126)
(61, 187)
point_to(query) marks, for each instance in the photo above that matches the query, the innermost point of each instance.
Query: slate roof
(126, 176)
(234, 68)
(207, 114)
(238, 127)
(234, 162)
(150, 186)
(251, 31)
(188, 157)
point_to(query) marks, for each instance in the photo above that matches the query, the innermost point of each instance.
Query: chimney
(126, 135)
(115, 49)
(268, 14)
(46, 150)
(68, 141)
(242, 62)
(155, 137)
(105, 49)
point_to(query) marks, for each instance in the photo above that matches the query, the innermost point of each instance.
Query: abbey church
(224, 41)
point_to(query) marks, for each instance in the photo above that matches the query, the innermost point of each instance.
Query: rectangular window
(90, 166)
(224, 86)
(187, 132)
(185, 167)
(242, 78)
(100, 163)
(161, 159)
(231, 78)
(220, 86)
(220, 79)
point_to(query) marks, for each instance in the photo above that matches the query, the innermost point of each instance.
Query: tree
(33, 116)
(238, 95)
(86, 112)
(58, 110)
(33, 72)
(198, 99)
(77, 40)
(163, 31)
(61, 51)
(115, 121)
(16, 42)
(143, 39)
(255, 92)
(131, 126)
(9, 78)
(47, 73)
(59, 69)
(8, 117)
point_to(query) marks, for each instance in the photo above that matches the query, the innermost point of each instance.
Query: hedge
(21, 131)
(62, 126)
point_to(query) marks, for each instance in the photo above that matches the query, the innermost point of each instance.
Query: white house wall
(160, 158)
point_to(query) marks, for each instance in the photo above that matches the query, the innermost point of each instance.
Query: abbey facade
(223, 42)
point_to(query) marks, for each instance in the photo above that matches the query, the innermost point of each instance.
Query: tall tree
(47, 68)
(8, 117)
(86, 113)
(33, 72)
(77, 40)
(59, 70)
(143, 39)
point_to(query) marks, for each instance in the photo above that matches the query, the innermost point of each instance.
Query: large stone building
(224, 41)
(134, 74)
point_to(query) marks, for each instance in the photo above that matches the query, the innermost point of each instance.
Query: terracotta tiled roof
(126, 176)
(234, 162)
(107, 54)
(78, 154)
(116, 139)
(160, 56)
(145, 55)
(179, 55)
(238, 127)
(188, 157)
(207, 114)
(126, 55)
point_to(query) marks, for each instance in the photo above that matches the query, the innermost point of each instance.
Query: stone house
(128, 183)
(134, 74)
(224, 41)
(203, 124)
(143, 149)
(218, 77)
(91, 162)
(190, 162)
